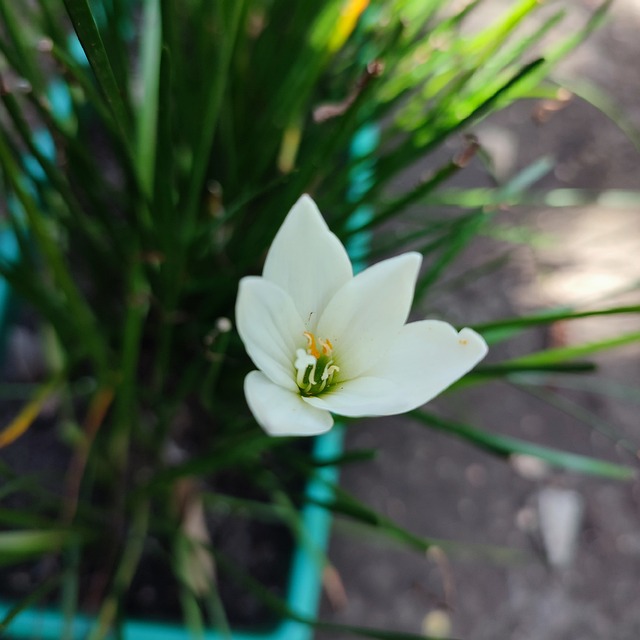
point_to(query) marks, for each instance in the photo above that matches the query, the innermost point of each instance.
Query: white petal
(366, 396)
(307, 260)
(281, 412)
(270, 328)
(424, 359)
(368, 312)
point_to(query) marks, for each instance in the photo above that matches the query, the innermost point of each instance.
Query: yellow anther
(312, 349)
(314, 367)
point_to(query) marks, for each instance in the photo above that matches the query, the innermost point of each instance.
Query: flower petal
(281, 412)
(425, 358)
(307, 260)
(270, 328)
(368, 311)
(365, 396)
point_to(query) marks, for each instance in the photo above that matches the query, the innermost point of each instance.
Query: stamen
(316, 359)
(304, 361)
(311, 344)
(329, 370)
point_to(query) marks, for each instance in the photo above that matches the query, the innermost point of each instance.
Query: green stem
(125, 404)
(129, 561)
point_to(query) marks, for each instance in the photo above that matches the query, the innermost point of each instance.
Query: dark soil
(263, 550)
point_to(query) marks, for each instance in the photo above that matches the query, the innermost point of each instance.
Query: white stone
(560, 516)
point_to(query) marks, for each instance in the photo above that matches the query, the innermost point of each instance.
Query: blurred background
(584, 586)
(543, 194)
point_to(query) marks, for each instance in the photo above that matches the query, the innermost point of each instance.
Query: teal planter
(303, 591)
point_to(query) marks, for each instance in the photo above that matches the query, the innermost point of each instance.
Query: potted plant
(172, 159)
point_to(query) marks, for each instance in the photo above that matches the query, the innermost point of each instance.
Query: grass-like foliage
(149, 151)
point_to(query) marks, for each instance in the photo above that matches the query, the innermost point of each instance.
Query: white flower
(327, 342)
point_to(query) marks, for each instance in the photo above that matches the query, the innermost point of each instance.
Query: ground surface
(440, 487)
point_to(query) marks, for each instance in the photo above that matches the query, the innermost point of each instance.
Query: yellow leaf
(347, 22)
(19, 425)
(289, 148)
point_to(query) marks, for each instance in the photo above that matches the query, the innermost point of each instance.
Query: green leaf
(347, 505)
(78, 74)
(454, 247)
(578, 411)
(229, 26)
(20, 545)
(55, 260)
(606, 103)
(440, 134)
(246, 448)
(561, 354)
(559, 51)
(441, 175)
(496, 197)
(20, 423)
(509, 368)
(147, 114)
(600, 386)
(23, 52)
(505, 446)
(89, 35)
(547, 317)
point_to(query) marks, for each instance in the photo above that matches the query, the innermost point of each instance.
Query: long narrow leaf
(599, 386)
(547, 317)
(580, 412)
(25, 54)
(19, 425)
(505, 446)
(54, 257)
(147, 114)
(561, 354)
(347, 505)
(88, 33)
(25, 544)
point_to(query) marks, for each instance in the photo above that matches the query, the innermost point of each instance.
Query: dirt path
(439, 487)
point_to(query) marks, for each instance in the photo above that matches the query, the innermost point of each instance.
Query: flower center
(314, 366)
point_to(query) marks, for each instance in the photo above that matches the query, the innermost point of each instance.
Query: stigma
(314, 366)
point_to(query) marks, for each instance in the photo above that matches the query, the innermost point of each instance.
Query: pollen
(317, 347)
